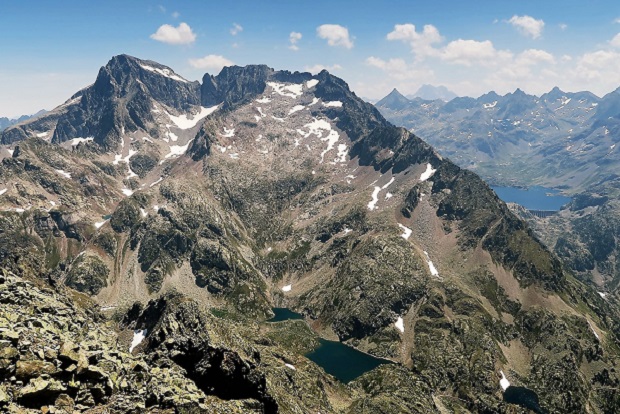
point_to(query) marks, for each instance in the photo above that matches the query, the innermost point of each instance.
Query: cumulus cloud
(615, 42)
(212, 62)
(409, 76)
(318, 67)
(463, 52)
(469, 52)
(181, 35)
(534, 56)
(598, 66)
(422, 42)
(395, 67)
(235, 29)
(293, 38)
(335, 35)
(527, 25)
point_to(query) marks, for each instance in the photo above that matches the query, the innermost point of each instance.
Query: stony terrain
(186, 211)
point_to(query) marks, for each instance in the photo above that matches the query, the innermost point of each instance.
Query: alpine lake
(532, 198)
(346, 363)
(343, 362)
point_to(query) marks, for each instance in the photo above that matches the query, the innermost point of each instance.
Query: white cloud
(617, 20)
(421, 43)
(181, 35)
(469, 52)
(563, 26)
(335, 35)
(599, 66)
(460, 51)
(294, 37)
(235, 29)
(534, 56)
(615, 42)
(394, 67)
(213, 62)
(399, 69)
(528, 25)
(175, 15)
(318, 67)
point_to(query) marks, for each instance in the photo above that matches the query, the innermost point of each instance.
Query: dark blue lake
(523, 397)
(342, 361)
(533, 198)
(284, 314)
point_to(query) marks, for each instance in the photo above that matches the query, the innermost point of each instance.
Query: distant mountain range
(430, 92)
(7, 122)
(559, 138)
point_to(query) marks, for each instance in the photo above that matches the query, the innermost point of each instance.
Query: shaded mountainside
(520, 139)
(262, 188)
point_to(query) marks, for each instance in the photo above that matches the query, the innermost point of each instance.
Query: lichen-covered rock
(88, 274)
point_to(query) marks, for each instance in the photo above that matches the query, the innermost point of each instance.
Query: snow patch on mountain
(138, 337)
(406, 231)
(372, 204)
(228, 133)
(165, 73)
(177, 150)
(399, 324)
(431, 266)
(428, 173)
(296, 108)
(73, 142)
(184, 122)
(99, 224)
(64, 173)
(292, 90)
(504, 383)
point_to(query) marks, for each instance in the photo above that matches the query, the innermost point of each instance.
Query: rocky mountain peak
(394, 100)
(234, 84)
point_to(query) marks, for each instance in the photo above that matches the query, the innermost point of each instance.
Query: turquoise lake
(533, 198)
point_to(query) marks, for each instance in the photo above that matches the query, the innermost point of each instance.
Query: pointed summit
(553, 95)
(394, 100)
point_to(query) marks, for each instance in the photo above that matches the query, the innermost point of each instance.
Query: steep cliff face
(286, 189)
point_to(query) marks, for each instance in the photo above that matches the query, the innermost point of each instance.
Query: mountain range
(7, 122)
(519, 139)
(562, 140)
(150, 224)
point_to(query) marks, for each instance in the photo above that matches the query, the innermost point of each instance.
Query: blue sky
(51, 49)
